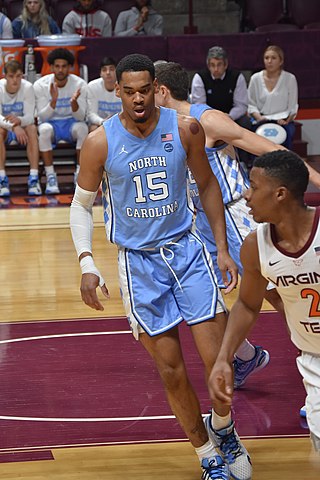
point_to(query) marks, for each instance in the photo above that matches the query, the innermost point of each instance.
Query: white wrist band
(87, 266)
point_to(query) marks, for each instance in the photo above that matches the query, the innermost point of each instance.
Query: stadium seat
(114, 7)
(12, 8)
(312, 26)
(303, 12)
(277, 27)
(60, 8)
(262, 12)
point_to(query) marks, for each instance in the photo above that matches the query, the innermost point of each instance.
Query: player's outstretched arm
(222, 127)
(241, 319)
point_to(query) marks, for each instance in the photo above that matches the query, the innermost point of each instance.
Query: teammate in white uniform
(102, 101)
(17, 110)
(284, 251)
(221, 133)
(61, 108)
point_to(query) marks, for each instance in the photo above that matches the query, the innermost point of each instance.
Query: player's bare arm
(193, 139)
(219, 126)
(92, 159)
(241, 319)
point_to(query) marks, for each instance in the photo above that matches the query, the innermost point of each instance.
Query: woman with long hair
(34, 20)
(273, 93)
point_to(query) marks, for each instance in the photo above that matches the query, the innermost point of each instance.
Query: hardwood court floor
(40, 278)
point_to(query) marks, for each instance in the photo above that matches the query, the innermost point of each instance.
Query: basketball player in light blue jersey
(221, 134)
(165, 271)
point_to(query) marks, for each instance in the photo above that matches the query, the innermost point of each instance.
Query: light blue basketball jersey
(145, 194)
(225, 165)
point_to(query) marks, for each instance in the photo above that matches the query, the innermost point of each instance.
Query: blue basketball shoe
(34, 185)
(4, 186)
(234, 453)
(243, 369)
(214, 468)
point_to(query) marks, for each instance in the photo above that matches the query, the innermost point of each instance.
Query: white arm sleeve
(81, 221)
(81, 224)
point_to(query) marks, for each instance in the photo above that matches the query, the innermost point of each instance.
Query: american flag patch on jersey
(166, 137)
(316, 250)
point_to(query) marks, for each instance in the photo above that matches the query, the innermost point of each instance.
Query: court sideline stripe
(138, 442)
(62, 335)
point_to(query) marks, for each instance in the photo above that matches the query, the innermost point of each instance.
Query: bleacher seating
(12, 8)
(114, 7)
(312, 26)
(60, 8)
(278, 15)
(277, 27)
(303, 12)
(261, 12)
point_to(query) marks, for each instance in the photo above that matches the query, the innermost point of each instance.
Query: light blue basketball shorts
(62, 130)
(161, 287)
(238, 225)
(11, 138)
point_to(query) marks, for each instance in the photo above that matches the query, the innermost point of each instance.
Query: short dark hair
(135, 63)
(12, 66)
(60, 54)
(288, 168)
(107, 61)
(173, 76)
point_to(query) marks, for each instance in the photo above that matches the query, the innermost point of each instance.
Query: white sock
(78, 168)
(206, 451)
(246, 351)
(34, 172)
(49, 170)
(218, 422)
(2, 173)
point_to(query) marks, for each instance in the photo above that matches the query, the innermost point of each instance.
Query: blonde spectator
(34, 20)
(273, 94)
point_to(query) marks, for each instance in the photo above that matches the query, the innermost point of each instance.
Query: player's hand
(76, 95)
(88, 288)
(13, 119)
(220, 383)
(54, 92)
(228, 271)
(144, 14)
(21, 135)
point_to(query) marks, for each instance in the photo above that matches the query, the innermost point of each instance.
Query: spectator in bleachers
(5, 27)
(34, 20)
(88, 20)
(141, 19)
(273, 94)
(102, 101)
(61, 110)
(17, 110)
(223, 88)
